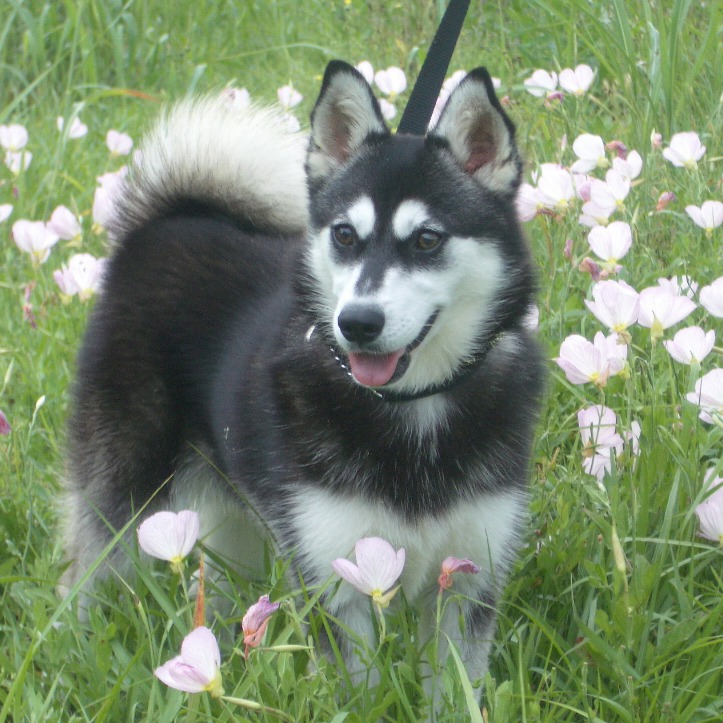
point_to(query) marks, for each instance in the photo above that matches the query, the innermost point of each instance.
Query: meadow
(614, 613)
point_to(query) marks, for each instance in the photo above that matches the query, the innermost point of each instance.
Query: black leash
(423, 97)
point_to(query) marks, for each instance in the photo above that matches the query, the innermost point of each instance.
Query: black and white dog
(328, 334)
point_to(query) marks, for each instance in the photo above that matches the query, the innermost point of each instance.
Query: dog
(318, 341)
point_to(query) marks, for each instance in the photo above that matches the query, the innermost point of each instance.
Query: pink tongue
(374, 370)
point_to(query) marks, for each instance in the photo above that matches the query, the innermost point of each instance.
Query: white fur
(244, 160)
(409, 216)
(362, 216)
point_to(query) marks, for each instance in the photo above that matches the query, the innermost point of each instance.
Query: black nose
(361, 323)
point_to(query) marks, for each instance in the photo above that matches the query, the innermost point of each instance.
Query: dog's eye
(428, 240)
(343, 234)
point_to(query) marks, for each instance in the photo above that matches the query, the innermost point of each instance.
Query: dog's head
(415, 253)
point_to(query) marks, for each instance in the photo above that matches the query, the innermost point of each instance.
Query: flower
(391, 81)
(710, 511)
(367, 70)
(576, 81)
(611, 243)
(527, 202)
(690, 344)
(13, 137)
(450, 565)
(584, 361)
(610, 193)
(236, 98)
(76, 130)
(615, 304)
(5, 427)
(5, 210)
(708, 395)
(35, 238)
(593, 215)
(169, 536)
(656, 140)
(555, 188)
(659, 309)
(590, 152)
(19, 161)
(664, 199)
(708, 216)
(685, 150)
(378, 568)
(64, 223)
(119, 144)
(633, 438)
(597, 430)
(687, 286)
(711, 298)
(197, 668)
(288, 96)
(541, 83)
(82, 276)
(255, 621)
(387, 108)
(629, 167)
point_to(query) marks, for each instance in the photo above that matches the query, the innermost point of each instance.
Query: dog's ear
(345, 115)
(480, 135)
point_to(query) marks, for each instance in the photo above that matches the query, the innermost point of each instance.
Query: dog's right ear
(345, 115)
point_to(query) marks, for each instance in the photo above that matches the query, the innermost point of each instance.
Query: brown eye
(428, 240)
(344, 235)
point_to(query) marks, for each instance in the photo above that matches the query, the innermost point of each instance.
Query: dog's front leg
(465, 618)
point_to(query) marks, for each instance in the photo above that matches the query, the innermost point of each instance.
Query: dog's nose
(361, 323)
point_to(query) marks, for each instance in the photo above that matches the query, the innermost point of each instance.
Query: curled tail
(243, 163)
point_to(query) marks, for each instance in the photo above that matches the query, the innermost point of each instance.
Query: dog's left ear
(480, 135)
(345, 115)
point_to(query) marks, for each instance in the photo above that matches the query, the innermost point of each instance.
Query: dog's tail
(241, 162)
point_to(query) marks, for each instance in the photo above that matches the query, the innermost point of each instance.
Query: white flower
(541, 83)
(34, 238)
(82, 276)
(659, 309)
(387, 108)
(366, 69)
(615, 304)
(597, 429)
(611, 243)
(685, 150)
(611, 193)
(169, 536)
(289, 96)
(593, 215)
(708, 216)
(391, 81)
(708, 395)
(236, 98)
(686, 287)
(64, 223)
(13, 138)
(711, 298)
(76, 130)
(710, 511)
(630, 167)
(119, 144)
(577, 81)
(19, 161)
(527, 202)
(454, 80)
(590, 151)
(690, 344)
(554, 187)
(5, 210)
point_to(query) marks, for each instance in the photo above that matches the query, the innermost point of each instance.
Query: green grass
(579, 640)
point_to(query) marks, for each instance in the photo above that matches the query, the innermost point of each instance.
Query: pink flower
(197, 668)
(711, 298)
(664, 199)
(450, 565)
(34, 238)
(685, 150)
(708, 395)
(378, 568)
(255, 621)
(659, 309)
(590, 152)
(82, 276)
(119, 144)
(65, 224)
(594, 215)
(610, 193)
(611, 243)
(615, 305)
(5, 427)
(577, 81)
(584, 361)
(629, 167)
(387, 108)
(656, 140)
(710, 511)
(169, 536)
(541, 83)
(367, 70)
(690, 345)
(554, 187)
(708, 216)
(527, 202)
(391, 81)
(5, 210)
(686, 287)
(289, 96)
(103, 207)
(76, 130)
(13, 137)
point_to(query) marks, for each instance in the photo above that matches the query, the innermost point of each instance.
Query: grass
(582, 637)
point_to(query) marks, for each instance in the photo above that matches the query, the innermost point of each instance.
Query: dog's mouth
(376, 370)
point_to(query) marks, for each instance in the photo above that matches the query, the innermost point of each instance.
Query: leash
(423, 97)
